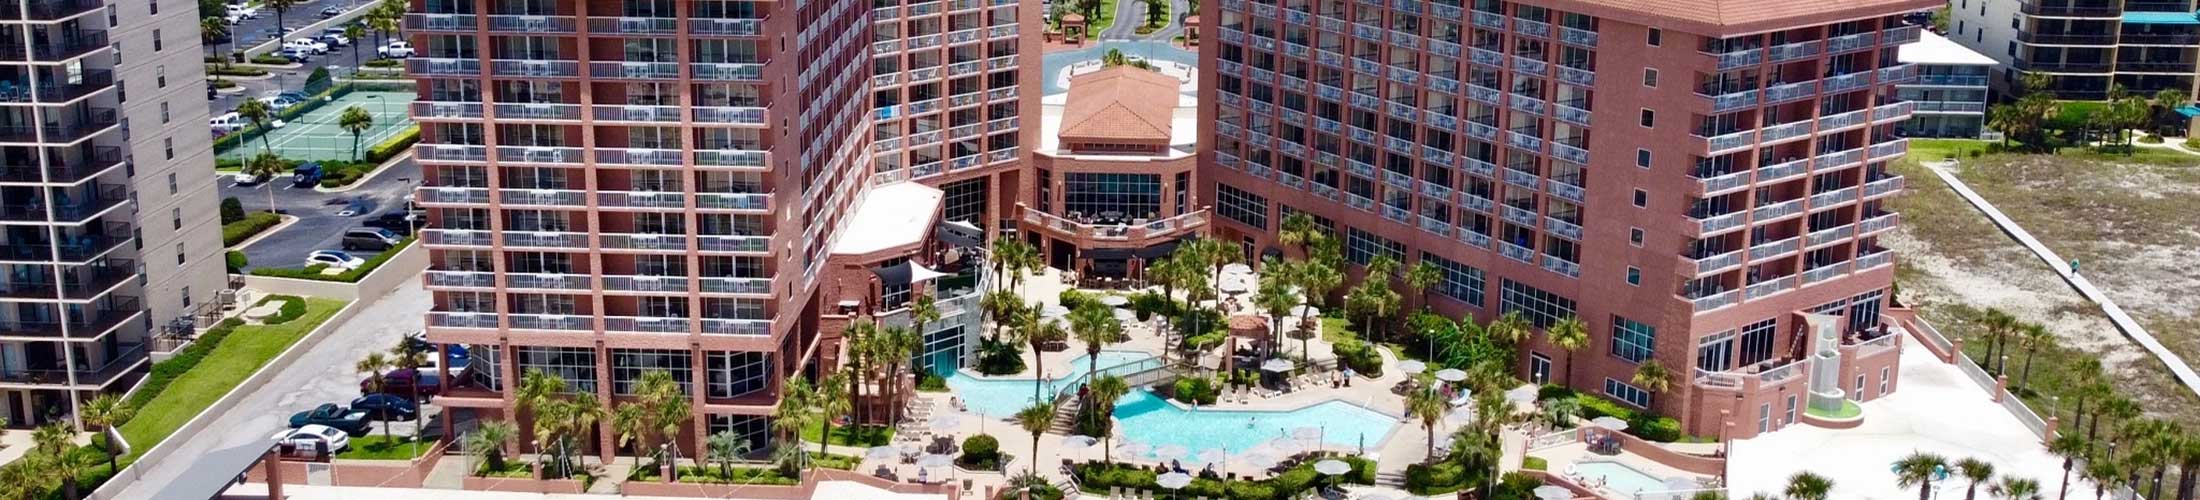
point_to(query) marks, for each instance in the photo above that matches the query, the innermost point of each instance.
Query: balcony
(74, 248)
(535, 68)
(439, 23)
(1515, 252)
(88, 82)
(738, 159)
(539, 111)
(641, 199)
(468, 320)
(722, 243)
(437, 278)
(1712, 263)
(1827, 236)
(100, 320)
(729, 72)
(442, 66)
(63, 166)
(737, 286)
(632, 113)
(1833, 198)
(743, 202)
(633, 70)
(48, 11)
(127, 358)
(1890, 149)
(531, 24)
(1132, 231)
(1738, 59)
(631, 25)
(552, 155)
(726, 27)
(644, 241)
(1877, 223)
(644, 324)
(1794, 51)
(1713, 301)
(1561, 266)
(1954, 80)
(1717, 223)
(443, 195)
(1728, 142)
(2065, 66)
(551, 322)
(639, 156)
(2184, 67)
(446, 110)
(645, 284)
(457, 238)
(1840, 159)
(1769, 287)
(2070, 9)
(60, 45)
(547, 281)
(1823, 273)
(1782, 171)
(551, 240)
(87, 123)
(1730, 100)
(1775, 249)
(729, 326)
(1956, 107)
(735, 115)
(90, 281)
(566, 198)
(1874, 260)
(2038, 38)
(1775, 211)
(1882, 187)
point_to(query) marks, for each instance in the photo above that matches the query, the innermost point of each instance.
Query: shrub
(165, 372)
(313, 272)
(1643, 424)
(392, 146)
(1360, 357)
(271, 59)
(981, 452)
(383, 63)
(236, 261)
(2192, 143)
(236, 232)
(293, 308)
(1290, 484)
(235, 71)
(1443, 477)
(319, 75)
(1196, 390)
(1093, 420)
(1073, 298)
(1148, 304)
(223, 83)
(2150, 139)
(1515, 486)
(232, 210)
(931, 383)
(1535, 463)
(1000, 358)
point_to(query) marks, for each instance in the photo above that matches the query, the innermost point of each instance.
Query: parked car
(241, 11)
(397, 49)
(331, 11)
(397, 222)
(404, 382)
(336, 259)
(245, 179)
(277, 103)
(370, 238)
(269, 34)
(333, 415)
(298, 55)
(457, 352)
(386, 407)
(306, 174)
(335, 37)
(316, 46)
(228, 122)
(316, 437)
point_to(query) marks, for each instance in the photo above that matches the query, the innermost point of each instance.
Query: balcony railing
(1873, 260)
(1773, 211)
(1877, 223)
(1827, 236)
(634, 70)
(535, 68)
(1133, 230)
(94, 120)
(1769, 287)
(1717, 223)
(632, 25)
(126, 358)
(553, 322)
(539, 111)
(48, 11)
(571, 198)
(1715, 300)
(435, 66)
(734, 72)
(2042, 8)
(632, 324)
(1950, 107)
(546, 239)
(1774, 249)
(1825, 272)
(644, 241)
(639, 156)
(547, 281)
(726, 326)
(468, 320)
(1953, 80)
(645, 283)
(734, 243)
(738, 115)
(726, 27)
(557, 155)
(64, 167)
(635, 113)
(461, 279)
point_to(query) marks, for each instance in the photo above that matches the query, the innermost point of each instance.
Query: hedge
(980, 452)
(220, 83)
(1640, 423)
(1289, 484)
(1196, 390)
(1361, 357)
(271, 59)
(313, 272)
(344, 173)
(166, 371)
(236, 261)
(1443, 477)
(235, 71)
(253, 223)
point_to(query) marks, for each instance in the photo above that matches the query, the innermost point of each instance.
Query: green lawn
(239, 355)
(376, 447)
(1096, 24)
(862, 435)
(1848, 410)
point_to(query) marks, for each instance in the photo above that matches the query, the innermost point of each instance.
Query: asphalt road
(322, 374)
(319, 227)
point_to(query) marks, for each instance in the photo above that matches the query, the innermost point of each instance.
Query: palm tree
(627, 422)
(1477, 451)
(357, 35)
(373, 365)
(999, 305)
(212, 29)
(1096, 326)
(408, 356)
(103, 412)
(487, 442)
(1275, 297)
(1104, 391)
(1298, 229)
(1429, 406)
(896, 345)
(668, 410)
(1807, 485)
(1919, 469)
(1568, 334)
(793, 413)
(54, 437)
(2116, 407)
(1034, 419)
(1316, 278)
(1373, 300)
(66, 467)
(575, 414)
(1999, 326)
(724, 448)
(2105, 472)
(1978, 472)
(1652, 377)
(1510, 327)
(1013, 257)
(2034, 337)
(355, 120)
(385, 17)
(2015, 488)
(1035, 331)
(831, 398)
(281, 7)
(265, 166)
(2071, 448)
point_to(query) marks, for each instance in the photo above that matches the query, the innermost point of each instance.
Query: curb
(377, 172)
(285, 223)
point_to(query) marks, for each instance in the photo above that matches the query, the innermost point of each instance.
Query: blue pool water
(1619, 477)
(1053, 62)
(1145, 418)
(1003, 397)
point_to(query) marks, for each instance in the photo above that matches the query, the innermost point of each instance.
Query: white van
(241, 11)
(226, 123)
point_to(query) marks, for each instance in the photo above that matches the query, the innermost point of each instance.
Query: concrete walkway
(2124, 322)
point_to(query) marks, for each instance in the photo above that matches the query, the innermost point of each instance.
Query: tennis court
(315, 136)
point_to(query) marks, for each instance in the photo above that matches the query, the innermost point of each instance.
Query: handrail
(1063, 388)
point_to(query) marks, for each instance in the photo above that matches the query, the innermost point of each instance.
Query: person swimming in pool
(1248, 423)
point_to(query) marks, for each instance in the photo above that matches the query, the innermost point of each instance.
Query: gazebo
(1191, 30)
(1073, 28)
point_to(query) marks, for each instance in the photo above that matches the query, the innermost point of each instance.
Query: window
(160, 76)
(577, 365)
(181, 258)
(1238, 205)
(1632, 341)
(152, 8)
(1650, 77)
(156, 40)
(755, 430)
(2012, 48)
(122, 91)
(1790, 411)
(115, 49)
(1361, 247)
(176, 214)
(172, 187)
(1459, 281)
(1649, 118)
(1642, 158)
(1858, 394)
(1886, 374)
(1656, 36)
(1757, 341)
(164, 112)
(1715, 353)
(1961, 27)
(1111, 195)
(1634, 276)
(1642, 199)
(628, 366)
(168, 147)
(186, 291)
(1634, 236)
(735, 374)
(1764, 418)
(1626, 393)
(112, 21)
(1539, 307)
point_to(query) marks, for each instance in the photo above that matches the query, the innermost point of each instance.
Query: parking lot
(320, 225)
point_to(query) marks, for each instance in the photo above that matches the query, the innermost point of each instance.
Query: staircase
(1065, 418)
(1391, 479)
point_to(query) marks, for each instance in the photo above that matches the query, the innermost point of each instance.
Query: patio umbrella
(1126, 315)
(1053, 310)
(1609, 422)
(1169, 452)
(1077, 443)
(1286, 446)
(1237, 268)
(1451, 375)
(1131, 449)
(1553, 493)
(1234, 286)
(1304, 310)
(1259, 458)
(1211, 456)
(1412, 367)
(935, 460)
(881, 452)
(911, 449)
(1332, 467)
(1114, 300)
(1277, 365)
(1522, 394)
(1173, 480)
(945, 423)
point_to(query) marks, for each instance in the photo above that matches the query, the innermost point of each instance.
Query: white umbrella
(1610, 422)
(1277, 365)
(1173, 480)
(1553, 492)
(1131, 449)
(1332, 467)
(1169, 452)
(1233, 286)
(1522, 394)
(881, 452)
(1305, 310)
(946, 423)
(1053, 310)
(1462, 416)
(1126, 315)
(935, 460)
(1451, 375)
(1237, 268)
(911, 449)
(1412, 367)
(1286, 446)
(1211, 456)
(1114, 300)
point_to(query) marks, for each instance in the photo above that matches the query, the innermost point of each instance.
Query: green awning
(2161, 18)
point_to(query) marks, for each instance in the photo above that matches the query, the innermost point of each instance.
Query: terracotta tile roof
(1122, 102)
(1733, 17)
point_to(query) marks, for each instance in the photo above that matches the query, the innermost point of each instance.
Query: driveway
(323, 374)
(319, 227)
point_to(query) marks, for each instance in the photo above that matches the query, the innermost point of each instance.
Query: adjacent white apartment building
(1950, 90)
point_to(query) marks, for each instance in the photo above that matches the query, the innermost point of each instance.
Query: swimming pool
(1003, 397)
(1053, 63)
(1619, 477)
(1145, 418)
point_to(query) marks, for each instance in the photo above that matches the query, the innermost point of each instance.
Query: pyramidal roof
(1119, 103)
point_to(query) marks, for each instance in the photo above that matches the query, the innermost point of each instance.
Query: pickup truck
(332, 415)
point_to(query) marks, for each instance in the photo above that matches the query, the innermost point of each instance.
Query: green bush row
(1289, 484)
(343, 173)
(1360, 356)
(1196, 390)
(235, 71)
(1641, 423)
(313, 272)
(271, 59)
(1440, 478)
(253, 223)
(166, 371)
